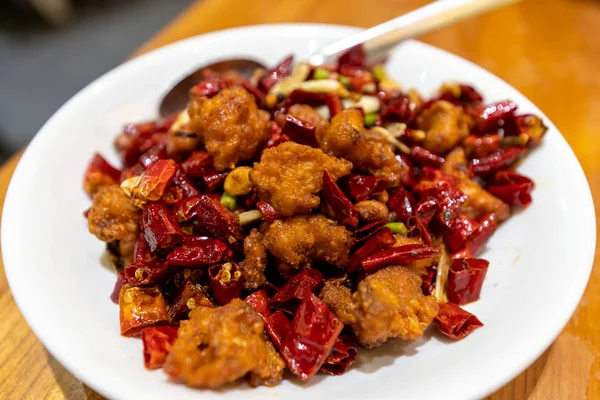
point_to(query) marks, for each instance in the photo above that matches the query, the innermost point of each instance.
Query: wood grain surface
(547, 49)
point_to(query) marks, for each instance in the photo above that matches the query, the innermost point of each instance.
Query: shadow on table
(72, 388)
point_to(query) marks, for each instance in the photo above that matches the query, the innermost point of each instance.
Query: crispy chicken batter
(388, 303)
(220, 345)
(301, 240)
(367, 150)
(113, 215)
(445, 125)
(290, 175)
(253, 266)
(271, 372)
(372, 210)
(232, 126)
(479, 201)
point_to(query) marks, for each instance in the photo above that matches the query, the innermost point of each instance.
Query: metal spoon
(376, 40)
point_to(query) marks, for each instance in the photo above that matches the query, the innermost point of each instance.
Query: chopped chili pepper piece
(155, 179)
(341, 357)
(214, 181)
(401, 255)
(198, 164)
(398, 108)
(362, 187)
(428, 281)
(312, 337)
(465, 279)
(333, 104)
(100, 174)
(155, 153)
(267, 211)
(145, 273)
(488, 117)
(337, 204)
(511, 187)
(353, 56)
(456, 237)
(296, 289)
(226, 282)
(423, 156)
(120, 282)
(141, 307)
(497, 160)
(159, 227)
(198, 253)
(532, 127)
(487, 227)
(276, 324)
(363, 234)
(191, 296)
(416, 228)
(383, 239)
(455, 322)
(300, 131)
(208, 88)
(158, 341)
(275, 74)
(481, 146)
(401, 203)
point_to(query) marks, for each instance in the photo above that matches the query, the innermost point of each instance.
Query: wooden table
(547, 49)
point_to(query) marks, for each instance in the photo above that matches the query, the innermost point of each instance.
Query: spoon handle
(428, 18)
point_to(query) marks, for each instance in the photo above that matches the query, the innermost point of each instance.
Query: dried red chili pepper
(155, 179)
(455, 322)
(357, 76)
(401, 255)
(214, 181)
(511, 187)
(312, 337)
(342, 355)
(336, 203)
(487, 227)
(469, 95)
(398, 108)
(145, 273)
(426, 209)
(447, 197)
(481, 146)
(383, 239)
(401, 203)
(99, 174)
(226, 282)
(158, 342)
(156, 152)
(198, 164)
(333, 104)
(416, 228)
(497, 160)
(139, 308)
(353, 56)
(267, 211)
(488, 117)
(159, 227)
(462, 253)
(275, 74)
(300, 131)
(119, 283)
(456, 237)
(362, 187)
(208, 88)
(259, 96)
(532, 127)
(186, 209)
(276, 324)
(199, 253)
(299, 96)
(428, 281)
(296, 289)
(191, 296)
(465, 279)
(425, 157)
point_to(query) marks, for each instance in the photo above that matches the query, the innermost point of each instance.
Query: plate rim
(24, 306)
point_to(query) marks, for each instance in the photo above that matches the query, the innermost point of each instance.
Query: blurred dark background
(50, 49)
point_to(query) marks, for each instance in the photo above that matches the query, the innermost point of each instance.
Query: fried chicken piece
(271, 372)
(289, 177)
(372, 210)
(367, 150)
(253, 266)
(308, 114)
(390, 303)
(301, 240)
(445, 125)
(113, 215)
(232, 126)
(479, 201)
(220, 345)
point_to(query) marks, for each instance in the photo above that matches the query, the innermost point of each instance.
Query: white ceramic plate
(540, 259)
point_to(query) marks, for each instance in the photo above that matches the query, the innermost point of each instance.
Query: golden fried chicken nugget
(220, 345)
(367, 150)
(339, 299)
(113, 215)
(271, 372)
(253, 266)
(289, 177)
(301, 240)
(232, 126)
(445, 125)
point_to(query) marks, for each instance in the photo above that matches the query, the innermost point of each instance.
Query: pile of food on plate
(287, 220)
